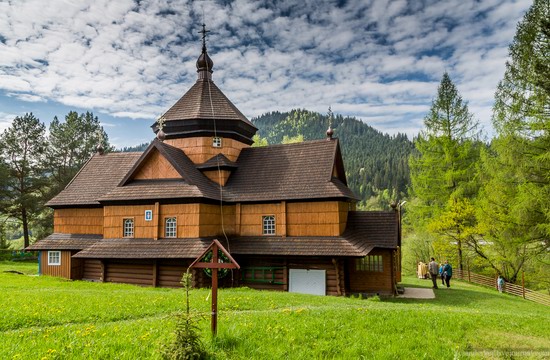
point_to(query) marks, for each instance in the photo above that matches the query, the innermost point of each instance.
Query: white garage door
(307, 281)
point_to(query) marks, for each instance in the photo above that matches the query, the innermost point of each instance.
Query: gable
(155, 166)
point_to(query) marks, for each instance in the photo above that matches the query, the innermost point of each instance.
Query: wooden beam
(156, 219)
(337, 268)
(102, 277)
(283, 219)
(155, 272)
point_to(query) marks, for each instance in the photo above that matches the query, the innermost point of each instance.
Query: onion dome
(161, 135)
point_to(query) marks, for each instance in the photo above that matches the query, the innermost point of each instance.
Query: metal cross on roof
(160, 122)
(204, 32)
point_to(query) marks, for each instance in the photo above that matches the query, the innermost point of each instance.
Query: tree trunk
(25, 222)
(459, 245)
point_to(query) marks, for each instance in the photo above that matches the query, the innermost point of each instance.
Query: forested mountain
(376, 163)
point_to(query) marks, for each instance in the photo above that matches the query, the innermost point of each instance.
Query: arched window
(170, 227)
(128, 228)
(268, 225)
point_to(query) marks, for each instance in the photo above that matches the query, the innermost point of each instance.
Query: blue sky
(129, 61)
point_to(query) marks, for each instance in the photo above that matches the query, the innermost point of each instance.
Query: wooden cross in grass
(215, 265)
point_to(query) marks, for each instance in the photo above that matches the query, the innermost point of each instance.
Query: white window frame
(172, 227)
(53, 256)
(268, 225)
(124, 228)
(216, 142)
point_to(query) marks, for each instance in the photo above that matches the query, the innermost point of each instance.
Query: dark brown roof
(372, 229)
(192, 185)
(274, 173)
(98, 176)
(58, 241)
(217, 161)
(197, 103)
(287, 172)
(145, 249)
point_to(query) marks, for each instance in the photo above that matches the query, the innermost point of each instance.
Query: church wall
(157, 167)
(187, 219)
(211, 223)
(372, 281)
(200, 149)
(215, 176)
(78, 221)
(325, 218)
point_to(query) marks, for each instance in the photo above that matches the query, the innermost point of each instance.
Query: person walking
(442, 274)
(500, 283)
(448, 273)
(433, 269)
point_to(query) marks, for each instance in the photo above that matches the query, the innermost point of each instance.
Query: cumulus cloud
(377, 60)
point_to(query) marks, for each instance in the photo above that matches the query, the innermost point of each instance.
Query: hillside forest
(481, 204)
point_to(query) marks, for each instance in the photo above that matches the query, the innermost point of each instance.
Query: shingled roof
(204, 101)
(58, 241)
(97, 177)
(145, 249)
(287, 172)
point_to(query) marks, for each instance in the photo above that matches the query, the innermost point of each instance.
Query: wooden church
(284, 212)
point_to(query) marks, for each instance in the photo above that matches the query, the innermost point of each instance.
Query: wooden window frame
(124, 228)
(269, 229)
(50, 262)
(217, 142)
(166, 218)
(370, 263)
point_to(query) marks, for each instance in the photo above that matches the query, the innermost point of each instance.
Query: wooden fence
(509, 288)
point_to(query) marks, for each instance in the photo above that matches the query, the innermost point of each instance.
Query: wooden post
(156, 219)
(523, 284)
(155, 273)
(336, 267)
(102, 271)
(469, 270)
(214, 323)
(214, 265)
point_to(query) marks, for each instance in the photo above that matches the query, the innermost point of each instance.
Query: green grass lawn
(51, 318)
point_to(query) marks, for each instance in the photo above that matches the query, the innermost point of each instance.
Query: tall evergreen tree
(71, 144)
(22, 148)
(443, 167)
(515, 213)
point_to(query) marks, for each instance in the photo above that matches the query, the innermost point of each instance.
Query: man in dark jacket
(432, 268)
(448, 272)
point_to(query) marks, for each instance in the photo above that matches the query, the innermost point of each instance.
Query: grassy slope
(52, 318)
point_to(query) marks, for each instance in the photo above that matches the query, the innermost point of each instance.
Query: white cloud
(378, 60)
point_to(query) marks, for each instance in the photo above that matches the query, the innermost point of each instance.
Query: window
(128, 228)
(370, 263)
(268, 225)
(217, 141)
(54, 257)
(170, 227)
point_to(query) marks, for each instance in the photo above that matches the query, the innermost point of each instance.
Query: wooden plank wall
(76, 267)
(91, 270)
(325, 218)
(366, 281)
(78, 221)
(251, 218)
(334, 279)
(200, 149)
(215, 177)
(210, 220)
(187, 219)
(137, 272)
(63, 270)
(156, 167)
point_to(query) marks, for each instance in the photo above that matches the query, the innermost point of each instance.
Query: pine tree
(22, 148)
(71, 144)
(443, 166)
(515, 214)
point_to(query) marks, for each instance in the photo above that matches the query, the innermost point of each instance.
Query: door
(307, 281)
